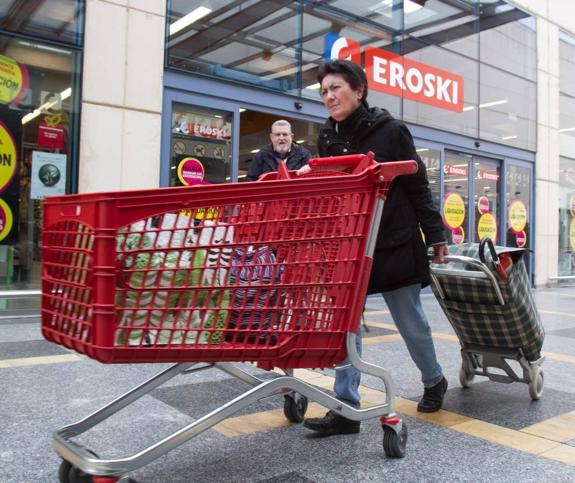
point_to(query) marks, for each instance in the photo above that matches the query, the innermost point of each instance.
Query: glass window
(517, 198)
(452, 25)
(507, 109)
(432, 160)
(567, 216)
(486, 200)
(38, 126)
(511, 46)
(464, 122)
(200, 145)
(59, 20)
(455, 198)
(255, 42)
(567, 64)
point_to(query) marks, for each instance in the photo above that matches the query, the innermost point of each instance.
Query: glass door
(455, 206)
(486, 184)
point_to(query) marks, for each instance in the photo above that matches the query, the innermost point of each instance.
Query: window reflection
(55, 20)
(517, 198)
(566, 216)
(200, 145)
(486, 201)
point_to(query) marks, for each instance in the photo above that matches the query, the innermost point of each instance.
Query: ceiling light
(421, 150)
(410, 7)
(468, 108)
(242, 109)
(493, 103)
(314, 86)
(253, 151)
(505, 138)
(189, 19)
(300, 141)
(47, 105)
(567, 129)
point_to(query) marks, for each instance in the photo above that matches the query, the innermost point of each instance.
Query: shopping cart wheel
(394, 442)
(465, 378)
(295, 406)
(536, 382)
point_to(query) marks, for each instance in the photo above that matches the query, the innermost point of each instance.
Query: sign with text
(396, 75)
(14, 81)
(10, 146)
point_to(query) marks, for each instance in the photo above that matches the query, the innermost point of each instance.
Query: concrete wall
(122, 94)
(552, 15)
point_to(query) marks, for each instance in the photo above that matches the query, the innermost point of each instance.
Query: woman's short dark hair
(352, 73)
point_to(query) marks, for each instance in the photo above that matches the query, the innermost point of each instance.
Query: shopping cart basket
(488, 301)
(273, 272)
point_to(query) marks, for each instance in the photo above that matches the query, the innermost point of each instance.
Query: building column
(547, 158)
(122, 85)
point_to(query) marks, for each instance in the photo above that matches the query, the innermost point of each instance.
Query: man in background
(282, 148)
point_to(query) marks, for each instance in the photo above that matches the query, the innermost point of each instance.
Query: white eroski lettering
(396, 75)
(455, 92)
(379, 70)
(442, 87)
(412, 74)
(429, 90)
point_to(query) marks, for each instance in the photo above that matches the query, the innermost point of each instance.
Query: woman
(400, 266)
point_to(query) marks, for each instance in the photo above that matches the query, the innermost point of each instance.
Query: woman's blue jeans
(405, 307)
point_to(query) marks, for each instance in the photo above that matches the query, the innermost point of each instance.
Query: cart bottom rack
(273, 272)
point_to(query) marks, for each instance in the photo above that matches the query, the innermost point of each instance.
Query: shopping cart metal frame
(79, 462)
(479, 360)
(83, 459)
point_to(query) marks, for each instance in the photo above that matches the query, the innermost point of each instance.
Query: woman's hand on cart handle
(440, 252)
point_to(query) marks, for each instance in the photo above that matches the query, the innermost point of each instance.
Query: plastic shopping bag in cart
(254, 301)
(154, 312)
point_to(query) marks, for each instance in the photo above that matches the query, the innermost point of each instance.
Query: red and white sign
(51, 136)
(458, 235)
(393, 74)
(521, 238)
(455, 170)
(488, 175)
(344, 48)
(483, 204)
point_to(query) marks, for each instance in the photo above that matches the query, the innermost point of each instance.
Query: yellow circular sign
(11, 80)
(487, 227)
(453, 211)
(6, 219)
(517, 216)
(7, 157)
(572, 234)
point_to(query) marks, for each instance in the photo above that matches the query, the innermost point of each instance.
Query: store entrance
(255, 128)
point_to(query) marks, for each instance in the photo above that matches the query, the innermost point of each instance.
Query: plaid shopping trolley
(486, 296)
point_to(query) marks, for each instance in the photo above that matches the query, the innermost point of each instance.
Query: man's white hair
(281, 123)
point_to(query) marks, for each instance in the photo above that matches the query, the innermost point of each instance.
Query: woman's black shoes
(433, 397)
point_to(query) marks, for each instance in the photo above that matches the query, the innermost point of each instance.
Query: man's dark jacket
(266, 161)
(400, 257)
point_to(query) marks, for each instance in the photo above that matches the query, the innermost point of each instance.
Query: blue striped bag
(253, 270)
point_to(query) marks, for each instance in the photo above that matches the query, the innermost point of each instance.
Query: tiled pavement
(491, 431)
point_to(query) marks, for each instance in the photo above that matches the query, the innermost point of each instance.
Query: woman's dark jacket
(266, 161)
(400, 257)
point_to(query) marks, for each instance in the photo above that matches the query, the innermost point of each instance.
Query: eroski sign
(396, 75)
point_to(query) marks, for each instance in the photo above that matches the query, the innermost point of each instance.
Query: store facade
(40, 68)
(461, 74)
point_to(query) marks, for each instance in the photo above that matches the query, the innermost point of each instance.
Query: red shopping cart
(273, 272)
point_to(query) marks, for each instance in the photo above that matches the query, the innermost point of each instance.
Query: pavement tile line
(37, 361)
(537, 440)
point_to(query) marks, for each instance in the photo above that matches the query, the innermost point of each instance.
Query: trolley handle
(466, 261)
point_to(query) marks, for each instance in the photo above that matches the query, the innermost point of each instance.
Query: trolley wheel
(394, 443)
(465, 378)
(294, 410)
(536, 383)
